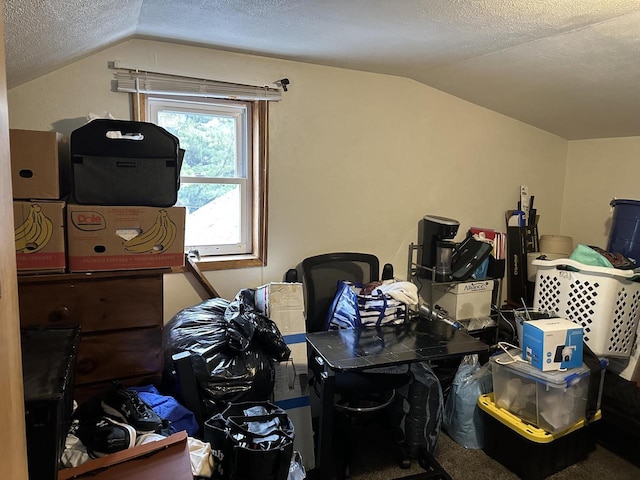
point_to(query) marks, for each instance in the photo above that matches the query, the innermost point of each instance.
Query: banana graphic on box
(158, 238)
(35, 232)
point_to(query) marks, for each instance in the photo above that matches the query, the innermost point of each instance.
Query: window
(223, 174)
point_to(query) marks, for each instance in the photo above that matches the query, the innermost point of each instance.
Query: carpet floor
(374, 459)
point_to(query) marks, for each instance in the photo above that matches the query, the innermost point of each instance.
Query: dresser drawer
(96, 303)
(118, 355)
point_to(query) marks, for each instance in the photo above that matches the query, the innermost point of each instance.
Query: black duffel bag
(250, 441)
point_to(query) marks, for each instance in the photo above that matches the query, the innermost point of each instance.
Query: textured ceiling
(571, 67)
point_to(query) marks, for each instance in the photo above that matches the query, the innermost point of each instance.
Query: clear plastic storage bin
(604, 301)
(552, 401)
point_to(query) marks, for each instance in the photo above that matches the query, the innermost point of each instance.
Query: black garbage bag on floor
(231, 356)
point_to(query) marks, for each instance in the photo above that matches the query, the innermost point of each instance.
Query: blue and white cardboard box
(283, 303)
(552, 343)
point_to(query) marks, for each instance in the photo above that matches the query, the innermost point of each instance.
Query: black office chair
(357, 393)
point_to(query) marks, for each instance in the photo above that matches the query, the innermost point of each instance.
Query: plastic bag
(244, 313)
(462, 417)
(232, 349)
(296, 468)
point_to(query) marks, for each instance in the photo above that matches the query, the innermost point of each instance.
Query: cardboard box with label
(283, 303)
(552, 343)
(39, 164)
(104, 238)
(465, 299)
(39, 236)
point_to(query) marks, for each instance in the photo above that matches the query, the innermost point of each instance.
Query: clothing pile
(127, 417)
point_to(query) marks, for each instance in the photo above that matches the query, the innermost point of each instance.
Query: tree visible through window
(219, 171)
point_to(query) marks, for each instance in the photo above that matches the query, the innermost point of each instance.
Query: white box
(552, 343)
(284, 304)
(465, 299)
(291, 375)
(303, 440)
(291, 393)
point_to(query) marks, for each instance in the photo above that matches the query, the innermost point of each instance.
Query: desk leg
(325, 428)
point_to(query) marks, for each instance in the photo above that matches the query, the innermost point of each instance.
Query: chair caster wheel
(405, 463)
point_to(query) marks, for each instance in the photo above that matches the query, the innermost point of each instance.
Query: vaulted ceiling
(570, 67)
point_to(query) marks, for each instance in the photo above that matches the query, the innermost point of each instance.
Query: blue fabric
(168, 408)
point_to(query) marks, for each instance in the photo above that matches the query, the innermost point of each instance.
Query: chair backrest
(320, 276)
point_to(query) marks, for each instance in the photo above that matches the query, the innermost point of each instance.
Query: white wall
(356, 158)
(597, 172)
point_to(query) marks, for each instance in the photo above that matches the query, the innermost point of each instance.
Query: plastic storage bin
(553, 401)
(604, 301)
(529, 452)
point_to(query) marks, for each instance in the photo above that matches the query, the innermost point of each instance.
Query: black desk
(356, 350)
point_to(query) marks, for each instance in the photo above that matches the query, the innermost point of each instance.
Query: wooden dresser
(120, 319)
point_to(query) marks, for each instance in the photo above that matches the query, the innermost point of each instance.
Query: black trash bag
(248, 321)
(231, 360)
(241, 324)
(200, 329)
(235, 377)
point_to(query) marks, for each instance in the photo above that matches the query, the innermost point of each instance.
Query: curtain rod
(137, 80)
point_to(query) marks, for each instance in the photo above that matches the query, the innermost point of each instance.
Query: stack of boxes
(283, 303)
(55, 234)
(535, 416)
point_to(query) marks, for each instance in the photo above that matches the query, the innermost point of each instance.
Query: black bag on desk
(250, 441)
(118, 162)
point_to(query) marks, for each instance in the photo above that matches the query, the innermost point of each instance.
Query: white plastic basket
(604, 301)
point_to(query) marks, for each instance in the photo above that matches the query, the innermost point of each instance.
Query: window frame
(258, 121)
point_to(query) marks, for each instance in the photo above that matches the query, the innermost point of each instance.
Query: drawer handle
(60, 313)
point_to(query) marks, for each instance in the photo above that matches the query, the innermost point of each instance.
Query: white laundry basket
(604, 301)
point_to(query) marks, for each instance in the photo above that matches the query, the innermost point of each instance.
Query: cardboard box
(466, 299)
(40, 166)
(39, 236)
(552, 343)
(124, 238)
(168, 458)
(291, 393)
(283, 303)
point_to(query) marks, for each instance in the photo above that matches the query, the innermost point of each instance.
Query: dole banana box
(39, 236)
(124, 237)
